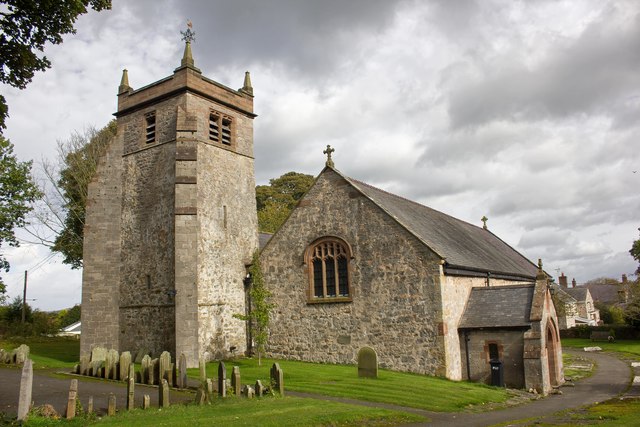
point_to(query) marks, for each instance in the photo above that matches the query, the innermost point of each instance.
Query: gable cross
(328, 152)
(484, 220)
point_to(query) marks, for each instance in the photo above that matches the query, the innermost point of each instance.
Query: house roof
(498, 306)
(459, 243)
(604, 293)
(579, 293)
(74, 327)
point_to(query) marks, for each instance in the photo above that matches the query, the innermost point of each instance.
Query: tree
(25, 28)
(61, 218)
(17, 193)
(260, 308)
(276, 200)
(635, 253)
(68, 316)
(610, 314)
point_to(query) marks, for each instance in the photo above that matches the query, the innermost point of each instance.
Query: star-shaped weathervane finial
(189, 35)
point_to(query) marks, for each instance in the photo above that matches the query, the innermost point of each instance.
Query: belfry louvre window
(150, 127)
(220, 128)
(328, 266)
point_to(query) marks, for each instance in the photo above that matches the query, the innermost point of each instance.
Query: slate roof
(579, 293)
(498, 306)
(461, 244)
(604, 293)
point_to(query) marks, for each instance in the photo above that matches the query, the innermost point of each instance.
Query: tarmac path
(611, 378)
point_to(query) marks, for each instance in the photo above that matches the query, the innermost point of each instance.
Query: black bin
(497, 373)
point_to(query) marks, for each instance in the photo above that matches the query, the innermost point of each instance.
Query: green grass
(627, 348)
(573, 367)
(399, 388)
(48, 352)
(287, 411)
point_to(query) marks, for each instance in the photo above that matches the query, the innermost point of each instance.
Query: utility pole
(24, 298)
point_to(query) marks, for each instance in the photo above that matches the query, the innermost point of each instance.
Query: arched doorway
(552, 354)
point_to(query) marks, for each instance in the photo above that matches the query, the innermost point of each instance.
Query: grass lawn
(576, 367)
(627, 348)
(411, 390)
(274, 411)
(48, 352)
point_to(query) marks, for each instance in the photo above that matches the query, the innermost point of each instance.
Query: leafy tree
(17, 193)
(61, 218)
(635, 253)
(260, 312)
(25, 28)
(610, 314)
(68, 316)
(276, 200)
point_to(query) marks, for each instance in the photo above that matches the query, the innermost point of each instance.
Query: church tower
(171, 220)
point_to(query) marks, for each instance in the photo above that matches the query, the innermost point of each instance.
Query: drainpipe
(466, 351)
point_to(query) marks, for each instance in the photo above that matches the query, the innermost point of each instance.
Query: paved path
(611, 378)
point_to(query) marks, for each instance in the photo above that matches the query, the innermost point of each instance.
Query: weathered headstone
(26, 387)
(71, 402)
(95, 367)
(203, 369)
(146, 401)
(222, 380)
(201, 395)
(140, 354)
(90, 405)
(98, 353)
(125, 362)
(111, 365)
(248, 392)
(21, 354)
(76, 369)
(367, 363)
(163, 396)
(235, 381)
(84, 364)
(164, 367)
(277, 378)
(259, 388)
(209, 389)
(111, 409)
(131, 385)
(145, 367)
(182, 371)
(154, 369)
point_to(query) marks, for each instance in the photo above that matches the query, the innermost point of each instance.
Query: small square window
(220, 128)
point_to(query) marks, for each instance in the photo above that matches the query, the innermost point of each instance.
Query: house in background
(73, 330)
(578, 305)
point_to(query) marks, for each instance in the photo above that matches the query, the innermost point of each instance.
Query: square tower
(181, 174)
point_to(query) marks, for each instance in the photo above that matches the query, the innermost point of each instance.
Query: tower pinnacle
(124, 82)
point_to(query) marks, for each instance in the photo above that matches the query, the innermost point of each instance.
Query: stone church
(171, 228)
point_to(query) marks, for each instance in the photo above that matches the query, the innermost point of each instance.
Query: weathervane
(189, 35)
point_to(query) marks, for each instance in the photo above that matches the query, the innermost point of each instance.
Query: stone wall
(395, 307)
(101, 272)
(510, 346)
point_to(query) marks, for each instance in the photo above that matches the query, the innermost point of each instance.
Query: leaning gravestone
(222, 380)
(164, 370)
(277, 378)
(123, 368)
(146, 401)
(259, 388)
(367, 363)
(26, 387)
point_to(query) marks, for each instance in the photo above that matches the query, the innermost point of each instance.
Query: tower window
(220, 128)
(150, 122)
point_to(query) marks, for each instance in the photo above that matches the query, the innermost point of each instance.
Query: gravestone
(200, 395)
(140, 354)
(182, 371)
(26, 387)
(259, 388)
(111, 409)
(154, 369)
(163, 396)
(209, 389)
(203, 370)
(146, 401)
(131, 384)
(111, 365)
(277, 378)
(235, 381)
(98, 353)
(367, 363)
(145, 365)
(71, 402)
(248, 392)
(21, 354)
(164, 367)
(222, 380)
(90, 405)
(84, 364)
(125, 362)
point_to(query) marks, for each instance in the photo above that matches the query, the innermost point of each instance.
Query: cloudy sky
(526, 112)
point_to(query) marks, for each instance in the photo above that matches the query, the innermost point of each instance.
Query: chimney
(624, 279)
(573, 283)
(563, 280)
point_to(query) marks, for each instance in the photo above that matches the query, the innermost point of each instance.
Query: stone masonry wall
(147, 276)
(101, 272)
(396, 306)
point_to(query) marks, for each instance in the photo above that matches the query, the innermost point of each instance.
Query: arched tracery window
(329, 271)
